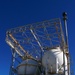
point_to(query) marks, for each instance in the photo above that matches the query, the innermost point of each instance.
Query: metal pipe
(65, 24)
(12, 46)
(38, 44)
(36, 39)
(56, 65)
(66, 38)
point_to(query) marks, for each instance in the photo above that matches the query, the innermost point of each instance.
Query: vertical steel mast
(66, 39)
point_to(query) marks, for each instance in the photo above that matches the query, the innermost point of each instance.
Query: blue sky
(14, 13)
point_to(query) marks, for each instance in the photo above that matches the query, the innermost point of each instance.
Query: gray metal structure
(33, 40)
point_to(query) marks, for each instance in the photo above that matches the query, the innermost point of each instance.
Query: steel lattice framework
(33, 38)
